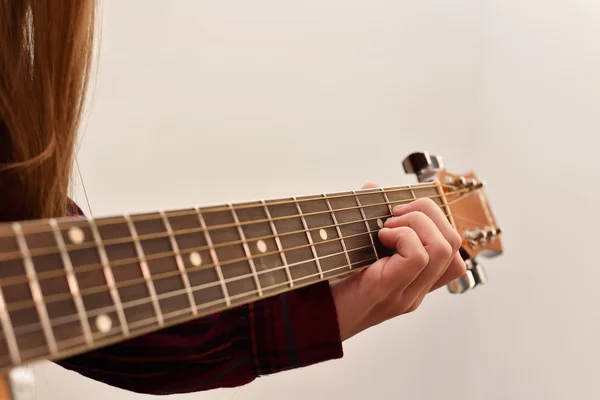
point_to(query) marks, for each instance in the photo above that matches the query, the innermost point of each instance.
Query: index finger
(434, 212)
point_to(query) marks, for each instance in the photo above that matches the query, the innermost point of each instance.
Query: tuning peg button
(422, 163)
(474, 276)
(460, 182)
(462, 284)
(479, 274)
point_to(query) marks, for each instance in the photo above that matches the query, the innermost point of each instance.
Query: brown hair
(46, 53)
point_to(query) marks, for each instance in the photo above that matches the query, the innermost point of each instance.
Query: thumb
(370, 185)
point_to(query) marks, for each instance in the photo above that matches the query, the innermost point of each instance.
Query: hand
(427, 258)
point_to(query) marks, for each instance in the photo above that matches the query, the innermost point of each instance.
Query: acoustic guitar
(70, 285)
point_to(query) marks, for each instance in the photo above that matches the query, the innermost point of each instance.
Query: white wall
(540, 102)
(205, 102)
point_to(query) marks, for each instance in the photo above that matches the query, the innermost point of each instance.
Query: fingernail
(398, 208)
(389, 221)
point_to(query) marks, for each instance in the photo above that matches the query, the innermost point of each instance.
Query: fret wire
(339, 232)
(126, 261)
(110, 279)
(107, 221)
(97, 289)
(389, 204)
(179, 260)
(145, 270)
(149, 323)
(51, 250)
(366, 224)
(310, 241)
(412, 192)
(156, 256)
(246, 250)
(7, 328)
(72, 282)
(213, 255)
(135, 303)
(131, 282)
(36, 292)
(278, 242)
(209, 285)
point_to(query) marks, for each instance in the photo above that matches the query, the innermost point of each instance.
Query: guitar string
(158, 277)
(73, 317)
(119, 285)
(85, 194)
(149, 323)
(465, 219)
(18, 305)
(468, 194)
(302, 199)
(36, 227)
(51, 250)
(156, 256)
(469, 220)
(200, 287)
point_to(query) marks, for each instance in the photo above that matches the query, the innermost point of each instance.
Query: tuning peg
(479, 274)
(481, 236)
(474, 276)
(475, 184)
(462, 182)
(462, 284)
(422, 164)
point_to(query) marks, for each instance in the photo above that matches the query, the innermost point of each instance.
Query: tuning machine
(482, 236)
(470, 215)
(463, 182)
(424, 165)
(474, 277)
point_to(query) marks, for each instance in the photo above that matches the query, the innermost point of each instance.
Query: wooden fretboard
(74, 284)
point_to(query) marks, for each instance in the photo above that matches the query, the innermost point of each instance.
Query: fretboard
(70, 285)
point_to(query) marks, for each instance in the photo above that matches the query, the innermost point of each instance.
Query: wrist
(351, 312)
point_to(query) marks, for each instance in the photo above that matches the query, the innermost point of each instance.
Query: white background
(202, 102)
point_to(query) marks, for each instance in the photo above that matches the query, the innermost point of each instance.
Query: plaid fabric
(226, 349)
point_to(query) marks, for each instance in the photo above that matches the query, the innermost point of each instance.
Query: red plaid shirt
(228, 349)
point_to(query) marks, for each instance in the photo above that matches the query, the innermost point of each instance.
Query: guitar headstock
(470, 213)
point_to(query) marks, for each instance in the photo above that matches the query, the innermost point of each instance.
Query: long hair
(46, 54)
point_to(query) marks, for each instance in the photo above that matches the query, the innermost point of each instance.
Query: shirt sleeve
(227, 349)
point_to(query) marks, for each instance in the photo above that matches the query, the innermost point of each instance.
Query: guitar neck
(70, 285)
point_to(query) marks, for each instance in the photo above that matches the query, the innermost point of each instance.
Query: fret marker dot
(262, 246)
(103, 323)
(323, 234)
(195, 259)
(380, 222)
(76, 235)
